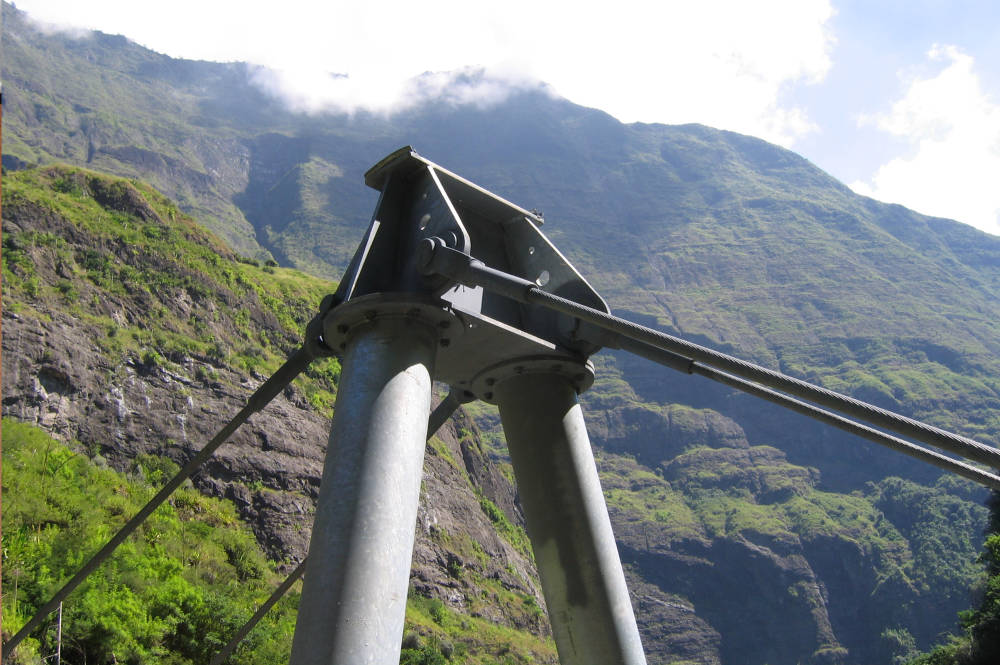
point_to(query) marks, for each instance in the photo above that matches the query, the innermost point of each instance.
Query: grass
(473, 640)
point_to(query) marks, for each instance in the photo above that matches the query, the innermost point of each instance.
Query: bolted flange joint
(579, 373)
(430, 314)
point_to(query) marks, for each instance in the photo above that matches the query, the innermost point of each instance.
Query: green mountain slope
(112, 105)
(132, 330)
(721, 238)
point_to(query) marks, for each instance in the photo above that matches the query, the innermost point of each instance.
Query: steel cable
(870, 413)
(434, 257)
(295, 364)
(670, 359)
(241, 634)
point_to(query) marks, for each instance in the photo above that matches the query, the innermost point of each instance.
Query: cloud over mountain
(722, 63)
(313, 90)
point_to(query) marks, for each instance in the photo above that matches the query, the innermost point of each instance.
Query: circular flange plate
(580, 374)
(474, 352)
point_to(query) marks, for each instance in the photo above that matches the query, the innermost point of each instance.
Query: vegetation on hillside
(180, 587)
(115, 254)
(680, 480)
(110, 104)
(175, 592)
(979, 642)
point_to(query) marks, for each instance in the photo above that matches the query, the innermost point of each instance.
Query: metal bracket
(473, 351)
(422, 203)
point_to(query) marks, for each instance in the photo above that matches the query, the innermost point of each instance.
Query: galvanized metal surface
(473, 351)
(567, 521)
(422, 201)
(354, 601)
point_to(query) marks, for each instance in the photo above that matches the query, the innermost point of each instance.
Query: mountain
(720, 238)
(134, 332)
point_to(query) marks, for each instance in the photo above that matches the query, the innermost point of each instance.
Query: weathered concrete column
(354, 597)
(568, 523)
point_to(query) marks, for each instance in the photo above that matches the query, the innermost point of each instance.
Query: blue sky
(900, 100)
(880, 46)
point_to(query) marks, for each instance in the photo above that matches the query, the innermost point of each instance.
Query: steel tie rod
(241, 634)
(295, 364)
(434, 257)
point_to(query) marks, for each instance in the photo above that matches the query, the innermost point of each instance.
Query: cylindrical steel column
(354, 597)
(567, 521)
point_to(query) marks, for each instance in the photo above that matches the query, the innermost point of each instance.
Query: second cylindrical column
(567, 522)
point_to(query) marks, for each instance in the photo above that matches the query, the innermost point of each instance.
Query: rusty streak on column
(567, 521)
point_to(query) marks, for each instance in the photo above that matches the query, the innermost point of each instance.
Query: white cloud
(953, 130)
(726, 63)
(314, 91)
(56, 27)
(720, 63)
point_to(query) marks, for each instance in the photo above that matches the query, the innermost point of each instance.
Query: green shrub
(173, 593)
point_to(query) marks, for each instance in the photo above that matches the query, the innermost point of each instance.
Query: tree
(980, 644)
(983, 623)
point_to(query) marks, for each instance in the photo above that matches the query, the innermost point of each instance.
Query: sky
(899, 99)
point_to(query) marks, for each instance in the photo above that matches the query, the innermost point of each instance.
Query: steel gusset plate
(419, 200)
